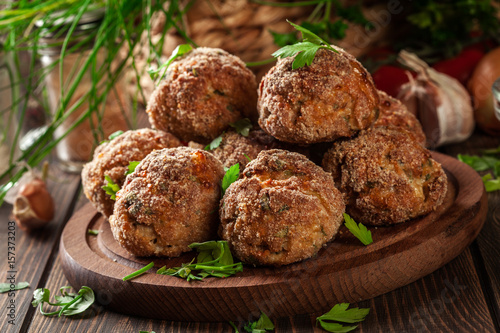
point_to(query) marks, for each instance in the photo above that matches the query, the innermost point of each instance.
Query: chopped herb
(234, 327)
(248, 158)
(242, 126)
(131, 166)
(214, 259)
(70, 303)
(6, 287)
(262, 325)
(112, 136)
(111, 188)
(215, 143)
(304, 51)
(93, 232)
(230, 177)
(358, 230)
(139, 272)
(340, 313)
(180, 50)
(491, 184)
(483, 163)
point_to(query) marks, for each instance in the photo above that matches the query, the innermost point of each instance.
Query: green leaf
(111, 188)
(114, 135)
(179, 51)
(264, 323)
(82, 302)
(215, 143)
(479, 163)
(234, 327)
(93, 232)
(491, 184)
(242, 126)
(284, 39)
(139, 271)
(230, 177)
(358, 230)
(70, 303)
(131, 166)
(5, 287)
(341, 313)
(40, 296)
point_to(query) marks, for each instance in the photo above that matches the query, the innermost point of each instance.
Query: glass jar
(77, 141)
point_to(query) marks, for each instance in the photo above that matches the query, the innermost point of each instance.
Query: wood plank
(33, 250)
(449, 300)
(487, 243)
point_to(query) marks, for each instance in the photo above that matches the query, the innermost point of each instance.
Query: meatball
(333, 97)
(283, 209)
(234, 147)
(202, 93)
(168, 202)
(112, 159)
(393, 113)
(386, 177)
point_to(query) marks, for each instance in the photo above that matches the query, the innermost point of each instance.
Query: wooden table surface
(462, 296)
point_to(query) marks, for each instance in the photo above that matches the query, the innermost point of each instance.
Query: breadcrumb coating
(386, 177)
(202, 93)
(334, 97)
(168, 202)
(112, 159)
(283, 209)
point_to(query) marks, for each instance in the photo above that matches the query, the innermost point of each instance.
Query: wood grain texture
(35, 250)
(343, 272)
(488, 240)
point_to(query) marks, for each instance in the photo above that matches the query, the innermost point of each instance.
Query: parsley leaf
(112, 136)
(230, 177)
(304, 51)
(179, 51)
(491, 184)
(478, 163)
(70, 303)
(6, 287)
(284, 39)
(215, 143)
(262, 325)
(111, 188)
(340, 313)
(242, 126)
(131, 167)
(358, 230)
(214, 259)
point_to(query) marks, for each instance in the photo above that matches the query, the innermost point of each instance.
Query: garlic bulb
(440, 102)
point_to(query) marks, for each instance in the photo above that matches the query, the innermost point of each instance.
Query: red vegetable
(390, 79)
(462, 66)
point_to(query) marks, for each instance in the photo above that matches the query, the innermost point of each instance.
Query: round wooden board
(344, 271)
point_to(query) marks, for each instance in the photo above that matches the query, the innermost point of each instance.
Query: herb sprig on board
(358, 230)
(488, 161)
(6, 287)
(214, 259)
(340, 313)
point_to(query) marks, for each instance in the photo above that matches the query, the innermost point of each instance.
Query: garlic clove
(33, 206)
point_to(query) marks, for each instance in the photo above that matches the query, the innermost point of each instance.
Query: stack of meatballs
(324, 141)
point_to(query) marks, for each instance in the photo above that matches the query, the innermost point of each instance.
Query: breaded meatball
(333, 97)
(386, 177)
(283, 209)
(168, 202)
(202, 93)
(234, 147)
(393, 113)
(112, 159)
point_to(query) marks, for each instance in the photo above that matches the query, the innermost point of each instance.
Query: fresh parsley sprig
(340, 313)
(70, 303)
(304, 51)
(214, 259)
(262, 325)
(111, 188)
(230, 177)
(215, 142)
(242, 126)
(358, 230)
(131, 167)
(483, 163)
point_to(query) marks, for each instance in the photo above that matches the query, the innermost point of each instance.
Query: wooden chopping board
(344, 271)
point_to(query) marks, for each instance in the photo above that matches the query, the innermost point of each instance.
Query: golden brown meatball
(333, 97)
(393, 113)
(112, 159)
(283, 209)
(202, 93)
(234, 147)
(386, 177)
(168, 202)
